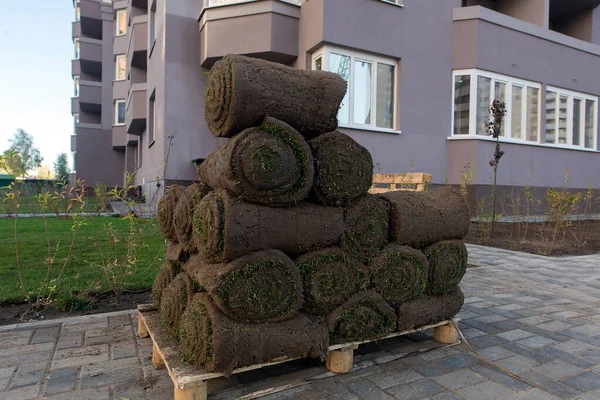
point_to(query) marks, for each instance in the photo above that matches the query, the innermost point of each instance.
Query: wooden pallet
(409, 181)
(190, 382)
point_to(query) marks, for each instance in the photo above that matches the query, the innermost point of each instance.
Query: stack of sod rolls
(279, 250)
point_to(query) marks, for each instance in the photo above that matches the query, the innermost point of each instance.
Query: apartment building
(421, 76)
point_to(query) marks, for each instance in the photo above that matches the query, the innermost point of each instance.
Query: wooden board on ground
(410, 181)
(190, 382)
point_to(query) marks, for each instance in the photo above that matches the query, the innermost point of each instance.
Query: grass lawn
(82, 272)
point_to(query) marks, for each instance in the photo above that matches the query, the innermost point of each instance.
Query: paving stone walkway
(534, 316)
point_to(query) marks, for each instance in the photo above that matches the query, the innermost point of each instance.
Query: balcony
(73, 142)
(120, 138)
(498, 43)
(136, 109)
(91, 19)
(265, 29)
(75, 105)
(90, 97)
(76, 29)
(137, 51)
(90, 58)
(75, 67)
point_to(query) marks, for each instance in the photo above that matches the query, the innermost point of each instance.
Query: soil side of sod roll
(343, 169)
(271, 164)
(210, 338)
(226, 227)
(365, 315)
(423, 218)
(368, 228)
(176, 252)
(447, 266)
(184, 210)
(167, 272)
(165, 210)
(173, 301)
(261, 287)
(427, 310)
(241, 91)
(399, 273)
(330, 276)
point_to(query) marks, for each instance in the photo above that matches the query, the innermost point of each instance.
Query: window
(77, 11)
(152, 118)
(370, 101)
(121, 63)
(121, 22)
(119, 112)
(76, 85)
(471, 113)
(571, 118)
(75, 121)
(76, 43)
(153, 21)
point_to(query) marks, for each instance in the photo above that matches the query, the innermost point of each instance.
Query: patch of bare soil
(101, 303)
(579, 238)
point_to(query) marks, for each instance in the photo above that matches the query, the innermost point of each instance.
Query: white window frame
(76, 85)
(324, 52)
(77, 48)
(509, 82)
(118, 15)
(117, 102)
(572, 95)
(117, 58)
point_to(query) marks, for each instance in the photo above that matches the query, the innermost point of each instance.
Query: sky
(36, 86)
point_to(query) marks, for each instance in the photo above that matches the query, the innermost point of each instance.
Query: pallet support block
(157, 359)
(340, 361)
(142, 329)
(445, 334)
(199, 392)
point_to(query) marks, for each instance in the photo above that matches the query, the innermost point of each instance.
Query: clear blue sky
(35, 73)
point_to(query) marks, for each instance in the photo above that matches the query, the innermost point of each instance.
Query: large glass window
(76, 44)
(76, 85)
(119, 112)
(121, 22)
(121, 63)
(77, 11)
(470, 115)
(370, 101)
(571, 118)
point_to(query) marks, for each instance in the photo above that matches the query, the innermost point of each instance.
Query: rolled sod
(428, 310)
(184, 210)
(365, 315)
(447, 266)
(423, 218)
(368, 228)
(210, 338)
(167, 272)
(226, 227)
(343, 169)
(176, 252)
(173, 301)
(399, 273)
(271, 164)
(165, 210)
(330, 276)
(241, 91)
(261, 287)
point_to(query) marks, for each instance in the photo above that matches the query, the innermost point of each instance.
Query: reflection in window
(340, 64)
(318, 66)
(76, 85)
(551, 109)
(385, 96)
(533, 114)
(590, 117)
(576, 126)
(484, 87)
(500, 95)
(119, 112)
(362, 92)
(121, 62)
(517, 112)
(562, 120)
(462, 99)
(121, 22)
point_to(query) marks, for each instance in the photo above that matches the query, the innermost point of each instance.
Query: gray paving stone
(533, 394)
(7, 372)
(102, 393)
(459, 379)
(4, 383)
(123, 349)
(28, 375)
(557, 388)
(367, 390)
(515, 334)
(585, 382)
(22, 393)
(587, 330)
(592, 356)
(571, 358)
(516, 364)
(574, 346)
(416, 390)
(558, 370)
(482, 342)
(387, 379)
(110, 378)
(496, 353)
(458, 361)
(446, 396)
(61, 380)
(534, 320)
(554, 326)
(45, 335)
(535, 342)
(488, 390)
(489, 319)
